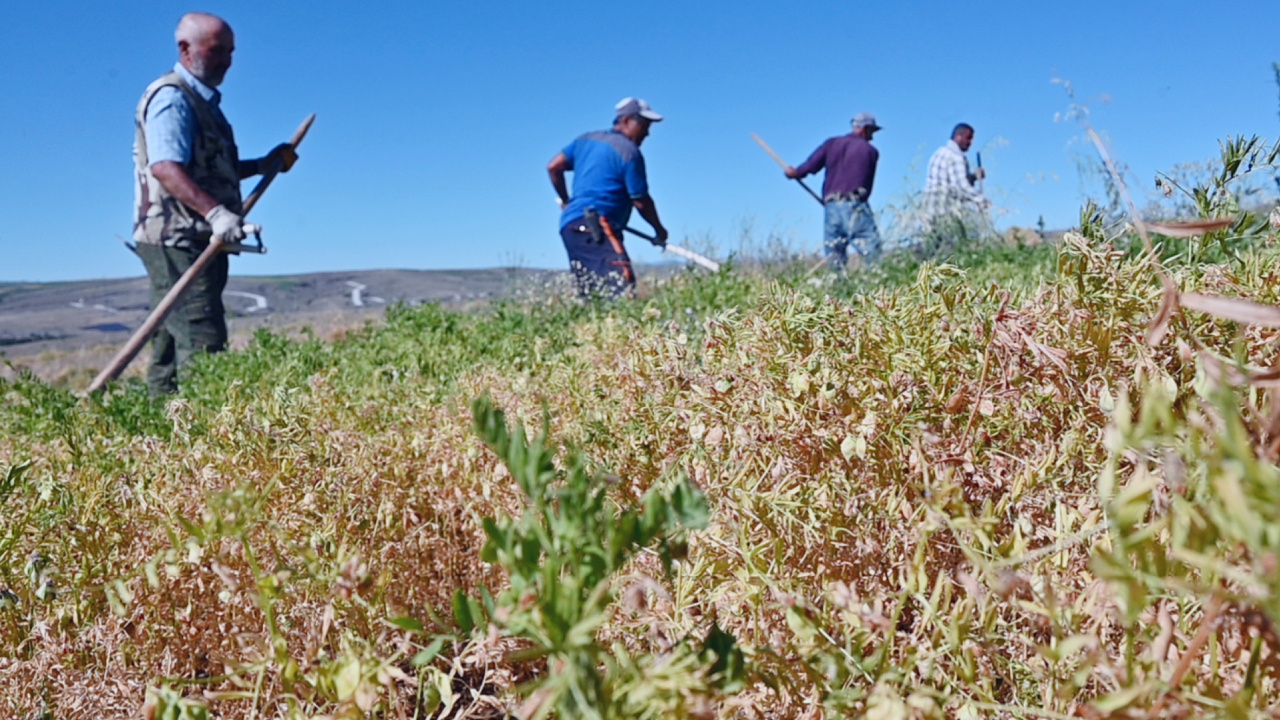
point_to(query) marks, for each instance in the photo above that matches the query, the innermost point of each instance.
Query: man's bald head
(205, 44)
(197, 25)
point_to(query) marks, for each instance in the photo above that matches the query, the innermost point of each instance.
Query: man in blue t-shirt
(608, 180)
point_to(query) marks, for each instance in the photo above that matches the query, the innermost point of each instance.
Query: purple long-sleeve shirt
(850, 162)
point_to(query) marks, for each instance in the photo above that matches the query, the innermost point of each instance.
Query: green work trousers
(197, 323)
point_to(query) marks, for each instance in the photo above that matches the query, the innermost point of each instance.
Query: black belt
(844, 197)
(591, 224)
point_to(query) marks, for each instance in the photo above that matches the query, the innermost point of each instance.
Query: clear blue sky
(436, 120)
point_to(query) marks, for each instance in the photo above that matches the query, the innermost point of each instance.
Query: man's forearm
(558, 182)
(174, 178)
(649, 212)
(972, 192)
(812, 164)
(556, 169)
(249, 168)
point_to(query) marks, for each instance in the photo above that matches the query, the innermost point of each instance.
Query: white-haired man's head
(205, 44)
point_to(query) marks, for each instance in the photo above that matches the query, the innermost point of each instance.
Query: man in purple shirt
(850, 162)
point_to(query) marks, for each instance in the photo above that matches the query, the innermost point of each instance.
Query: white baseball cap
(629, 106)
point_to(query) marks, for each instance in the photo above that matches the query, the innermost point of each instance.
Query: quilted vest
(159, 219)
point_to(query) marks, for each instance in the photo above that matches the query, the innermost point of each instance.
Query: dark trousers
(197, 323)
(598, 269)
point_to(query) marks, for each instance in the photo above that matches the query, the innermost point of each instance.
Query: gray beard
(202, 73)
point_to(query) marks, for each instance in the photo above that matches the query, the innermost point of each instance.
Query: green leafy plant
(562, 556)
(1229, 187)
(1193, 504)
(165, 703)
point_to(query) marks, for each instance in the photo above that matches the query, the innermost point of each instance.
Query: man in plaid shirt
(949, 170)
(954, 207)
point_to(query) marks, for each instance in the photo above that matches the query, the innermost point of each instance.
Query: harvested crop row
(904, 492)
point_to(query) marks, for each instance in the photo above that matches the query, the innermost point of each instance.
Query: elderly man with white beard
(187, 191)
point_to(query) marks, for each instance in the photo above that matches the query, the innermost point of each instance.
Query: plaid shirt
(949, 176)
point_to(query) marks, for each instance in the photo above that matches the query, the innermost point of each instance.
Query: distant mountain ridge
(37, 317)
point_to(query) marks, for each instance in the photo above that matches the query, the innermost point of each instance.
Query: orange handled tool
(627, 274)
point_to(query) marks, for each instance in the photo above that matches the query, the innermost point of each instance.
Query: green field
(948, 489)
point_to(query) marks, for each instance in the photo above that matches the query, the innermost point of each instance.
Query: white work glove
(226, 224)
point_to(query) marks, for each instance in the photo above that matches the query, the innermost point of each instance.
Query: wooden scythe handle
(785, 166)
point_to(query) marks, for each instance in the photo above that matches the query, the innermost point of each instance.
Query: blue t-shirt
(171, 123)
(608, 173)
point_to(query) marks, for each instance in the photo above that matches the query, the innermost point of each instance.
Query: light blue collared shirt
(171, 123)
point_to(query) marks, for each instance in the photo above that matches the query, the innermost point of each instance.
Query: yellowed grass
(905, 512)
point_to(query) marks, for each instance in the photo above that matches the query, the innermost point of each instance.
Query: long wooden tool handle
(274, 169)
(785, 166)
(140, 336)
(980, 178)
(158, 314)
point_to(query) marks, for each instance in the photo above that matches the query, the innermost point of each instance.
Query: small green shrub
(562, 557)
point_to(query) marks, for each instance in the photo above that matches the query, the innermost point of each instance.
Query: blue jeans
(849, 222)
